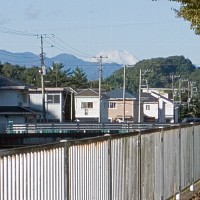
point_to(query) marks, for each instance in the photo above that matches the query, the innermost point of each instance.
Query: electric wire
(80, 52)
(67, 50)
(16, 32)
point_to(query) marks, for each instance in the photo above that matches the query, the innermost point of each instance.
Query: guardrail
(79, 127)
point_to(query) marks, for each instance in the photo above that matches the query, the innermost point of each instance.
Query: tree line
(56, 76)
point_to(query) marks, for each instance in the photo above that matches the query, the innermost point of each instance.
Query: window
(147, 107)
(86, 105)
(53, 98)
(112, 104)
(56, 99)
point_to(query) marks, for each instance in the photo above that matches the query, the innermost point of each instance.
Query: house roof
(87, 92)
(16, 110)
(147, 97)
(12, 84)
(53, 89)
(160, 96)
(118, 94)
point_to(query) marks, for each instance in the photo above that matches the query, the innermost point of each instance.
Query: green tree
(79, 79)
(32, 76)
(57, 77)
(12, 71)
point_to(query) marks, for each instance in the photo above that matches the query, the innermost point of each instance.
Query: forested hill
(161, 69)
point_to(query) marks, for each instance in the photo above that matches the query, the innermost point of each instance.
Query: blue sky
(84, 28)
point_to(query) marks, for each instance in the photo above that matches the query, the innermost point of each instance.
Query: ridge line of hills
(29, 59)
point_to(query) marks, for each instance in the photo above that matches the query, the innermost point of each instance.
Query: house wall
(169, 111)
(53, 110)
(152, 112)
(91, 112)
(13, 98)
(131, 110)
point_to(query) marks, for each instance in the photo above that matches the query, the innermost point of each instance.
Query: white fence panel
(32, 173)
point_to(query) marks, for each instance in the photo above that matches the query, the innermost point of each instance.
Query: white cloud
(31, 12)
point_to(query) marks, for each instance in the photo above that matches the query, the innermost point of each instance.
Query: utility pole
(100, 80)
(142, 73)
(124, 92)
(43, 73)
(124, 88)
(180, 96)
(173, 77)
(139, 108)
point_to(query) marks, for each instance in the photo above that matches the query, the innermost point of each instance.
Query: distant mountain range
(90, 67)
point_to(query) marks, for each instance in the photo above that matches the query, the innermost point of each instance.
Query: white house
(89, 107)
(59, 103)
(14, 104)
(158, 108)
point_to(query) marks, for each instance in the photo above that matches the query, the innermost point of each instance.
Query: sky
(143, 28)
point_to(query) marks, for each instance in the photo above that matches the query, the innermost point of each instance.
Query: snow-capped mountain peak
(119, 57)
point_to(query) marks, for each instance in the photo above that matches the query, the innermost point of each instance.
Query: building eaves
(17, 110)
(160, 96)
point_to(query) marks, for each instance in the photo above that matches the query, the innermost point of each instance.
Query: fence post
(66, 172)
(178, 196)
(109, 168)
(192, 186)
(139, 167)
(162, 164)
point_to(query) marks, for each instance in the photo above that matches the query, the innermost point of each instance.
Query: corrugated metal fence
(147, 165)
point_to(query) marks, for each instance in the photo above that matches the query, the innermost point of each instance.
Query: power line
(70, 49)
(16, 32)
(81, 52)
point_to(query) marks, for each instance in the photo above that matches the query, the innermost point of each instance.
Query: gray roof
(147, 97)
(9, 82)
(118, 94)
(90, 92)
(87, 93)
